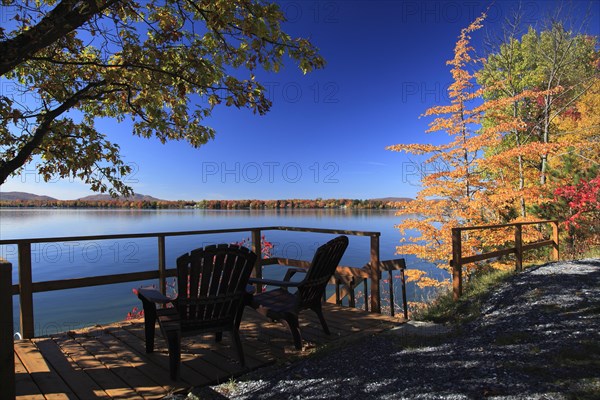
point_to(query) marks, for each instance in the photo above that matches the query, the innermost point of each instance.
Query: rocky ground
(538, 338)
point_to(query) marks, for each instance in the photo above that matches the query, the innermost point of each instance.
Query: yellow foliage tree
(455, 194)
(580, 128)
(531, 83)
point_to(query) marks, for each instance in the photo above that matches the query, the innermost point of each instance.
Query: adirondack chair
(212, 284)
(281, 305)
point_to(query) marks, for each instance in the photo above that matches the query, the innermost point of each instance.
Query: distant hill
(393, 199)
(107, 197)
(12, 196)
(23, 196)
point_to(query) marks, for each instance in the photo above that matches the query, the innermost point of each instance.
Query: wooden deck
(110, 361)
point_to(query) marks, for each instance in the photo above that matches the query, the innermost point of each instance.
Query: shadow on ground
(538, 337)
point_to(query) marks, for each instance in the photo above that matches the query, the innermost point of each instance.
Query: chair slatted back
(324, 263)
(212, 285)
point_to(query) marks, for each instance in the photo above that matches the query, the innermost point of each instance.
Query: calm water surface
(75, 308)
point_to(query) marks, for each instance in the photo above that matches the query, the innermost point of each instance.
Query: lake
(76, 308)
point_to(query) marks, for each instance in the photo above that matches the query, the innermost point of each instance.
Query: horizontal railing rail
(26, 287)
(458, 260)
(185, 233)
(346, 279)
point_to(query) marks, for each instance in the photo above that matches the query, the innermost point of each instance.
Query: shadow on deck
(110, 361)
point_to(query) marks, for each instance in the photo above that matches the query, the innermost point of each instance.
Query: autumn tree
(579, 127)
(565, 60)
(163, 64)
(507, 74)
(574, 175)
(455, 193)
(530, 82)
(576, 205)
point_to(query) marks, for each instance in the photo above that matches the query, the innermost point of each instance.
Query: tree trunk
(8, 167)
(520, 162)
(67, 16)
(545, 138)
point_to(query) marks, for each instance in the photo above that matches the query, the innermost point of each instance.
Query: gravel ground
(538, 338)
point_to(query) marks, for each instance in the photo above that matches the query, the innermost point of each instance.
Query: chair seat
(278, 301)
(168, 315)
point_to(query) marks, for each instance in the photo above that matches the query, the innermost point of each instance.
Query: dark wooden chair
(212, 284)
(281, 305)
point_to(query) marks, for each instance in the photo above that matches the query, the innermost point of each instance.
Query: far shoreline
(11, 207)
(286, 204)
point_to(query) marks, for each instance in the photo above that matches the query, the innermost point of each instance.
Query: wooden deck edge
(267, 344)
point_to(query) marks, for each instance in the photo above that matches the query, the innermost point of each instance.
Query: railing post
(375, 275)
(404, 302)
(352, 301)
(7, 355)
(366, 294)
(391, 288)
(456, 264)
(25, 291)
(257, 249)
(555, 249)
(519, 247)
(162, 267)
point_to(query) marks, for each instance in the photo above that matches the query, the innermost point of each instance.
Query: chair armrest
(292, 271)
(153, 295)
(272, 282)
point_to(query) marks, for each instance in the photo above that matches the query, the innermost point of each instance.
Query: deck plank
(153, 371)
(205, 347)
(26, 388)
(139, 382)
(160, 358)
(110, 382)
(49, 382)
(210, 372)
(254, 359)
(79, 382)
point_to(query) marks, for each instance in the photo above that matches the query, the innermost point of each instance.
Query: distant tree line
(133, 204)
(207, 204)
(296, 203)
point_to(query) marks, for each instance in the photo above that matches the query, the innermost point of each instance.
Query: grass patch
(229, 387)
(593, 252)
(444, 309)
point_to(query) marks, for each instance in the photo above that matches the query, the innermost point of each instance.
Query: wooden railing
(458, 260)
(346, 277)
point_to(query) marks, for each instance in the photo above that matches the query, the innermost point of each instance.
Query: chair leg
(319, 312)
(149, 324)
(174, 343)
(218, 336)
(238, 346)
(291, 320)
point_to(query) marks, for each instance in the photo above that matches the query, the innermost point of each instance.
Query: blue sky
(326, 133)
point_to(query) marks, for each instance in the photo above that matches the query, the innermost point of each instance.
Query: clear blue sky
(326, 133)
